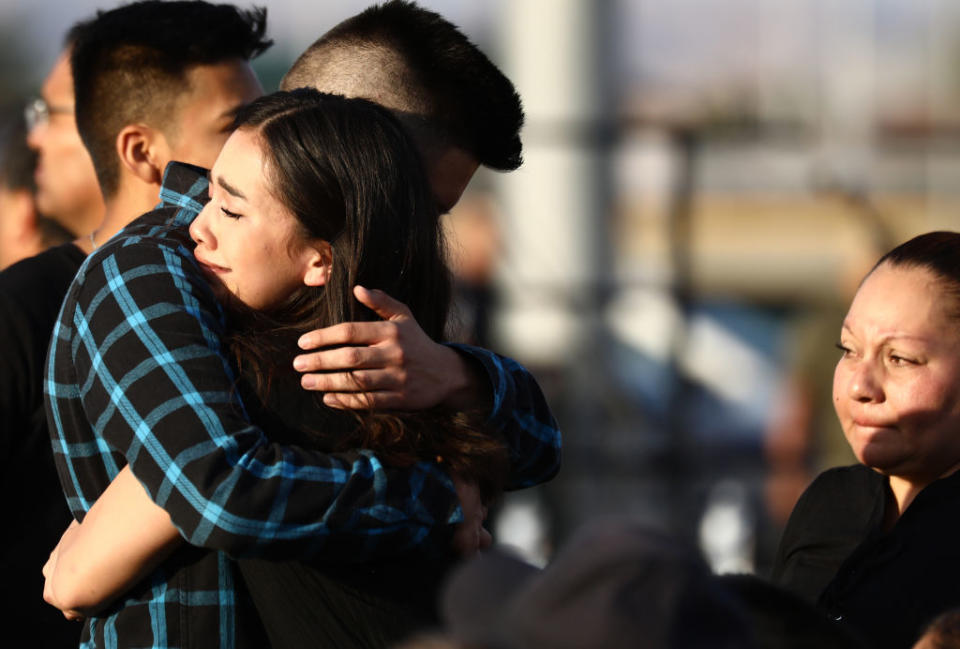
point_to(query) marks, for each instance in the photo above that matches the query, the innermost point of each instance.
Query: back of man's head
(17, 161)
(130, 65)
(416, 63)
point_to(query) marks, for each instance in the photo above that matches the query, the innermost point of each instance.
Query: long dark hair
(349, 174)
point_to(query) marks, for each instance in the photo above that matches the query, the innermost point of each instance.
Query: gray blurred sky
(293, 24)
(686, 45)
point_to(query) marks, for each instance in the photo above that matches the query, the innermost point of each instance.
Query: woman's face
(896, 388)
(248, 242)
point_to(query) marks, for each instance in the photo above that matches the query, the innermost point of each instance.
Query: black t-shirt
(369, 605)
(35, 513)
(886, 584)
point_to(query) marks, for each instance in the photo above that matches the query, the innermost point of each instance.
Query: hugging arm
(144, 354)
(122, 539)
(125, 536)
(394, 364)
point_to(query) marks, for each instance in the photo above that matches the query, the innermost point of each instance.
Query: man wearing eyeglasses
(67, 188)
(30, 296)
(24, 231)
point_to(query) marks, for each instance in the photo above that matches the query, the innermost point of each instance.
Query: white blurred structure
(555, 225)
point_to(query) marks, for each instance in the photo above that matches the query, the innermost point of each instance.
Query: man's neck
(121, 210)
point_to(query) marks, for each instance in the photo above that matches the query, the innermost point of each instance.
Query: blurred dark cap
(616, 584)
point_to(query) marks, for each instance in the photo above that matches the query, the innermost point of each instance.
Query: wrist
(466, 383)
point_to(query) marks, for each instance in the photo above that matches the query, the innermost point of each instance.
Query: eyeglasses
(38, 112)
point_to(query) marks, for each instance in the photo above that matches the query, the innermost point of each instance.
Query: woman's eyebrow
(230, 189)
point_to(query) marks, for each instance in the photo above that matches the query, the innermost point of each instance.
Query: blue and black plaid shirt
(136, 374)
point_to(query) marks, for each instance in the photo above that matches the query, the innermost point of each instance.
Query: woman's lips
(870, 423)
(212, 268)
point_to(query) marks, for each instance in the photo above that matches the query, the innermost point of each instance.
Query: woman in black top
(312, 196)
(878, 545)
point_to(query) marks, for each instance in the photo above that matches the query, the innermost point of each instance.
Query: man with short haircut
(461, 112)
(137, 376)
(460, 109)
(159, 82)
(201, 85)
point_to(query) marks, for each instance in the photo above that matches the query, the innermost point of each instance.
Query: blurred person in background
(67, 189)
(615, 584)
(31, 292)
(619, 583)
(24, 232)
(475, 245)
(877, 545)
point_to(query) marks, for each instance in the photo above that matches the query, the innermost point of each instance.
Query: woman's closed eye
(229, 214)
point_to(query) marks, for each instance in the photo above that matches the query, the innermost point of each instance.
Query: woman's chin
(878, 449)
(887, 459)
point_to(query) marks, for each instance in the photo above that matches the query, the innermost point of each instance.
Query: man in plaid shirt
(137, 375)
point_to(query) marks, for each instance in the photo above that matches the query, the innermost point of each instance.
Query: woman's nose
(864, 384)
(199, 229)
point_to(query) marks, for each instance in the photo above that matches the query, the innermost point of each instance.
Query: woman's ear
(319, 264)
(142, 152)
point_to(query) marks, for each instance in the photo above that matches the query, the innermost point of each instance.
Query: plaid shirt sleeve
(521, 414)
(136, 375)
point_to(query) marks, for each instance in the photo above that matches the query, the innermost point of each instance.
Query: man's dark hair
(130, 65)
(419, 65)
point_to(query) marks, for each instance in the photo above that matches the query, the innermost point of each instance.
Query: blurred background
(705, 182)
